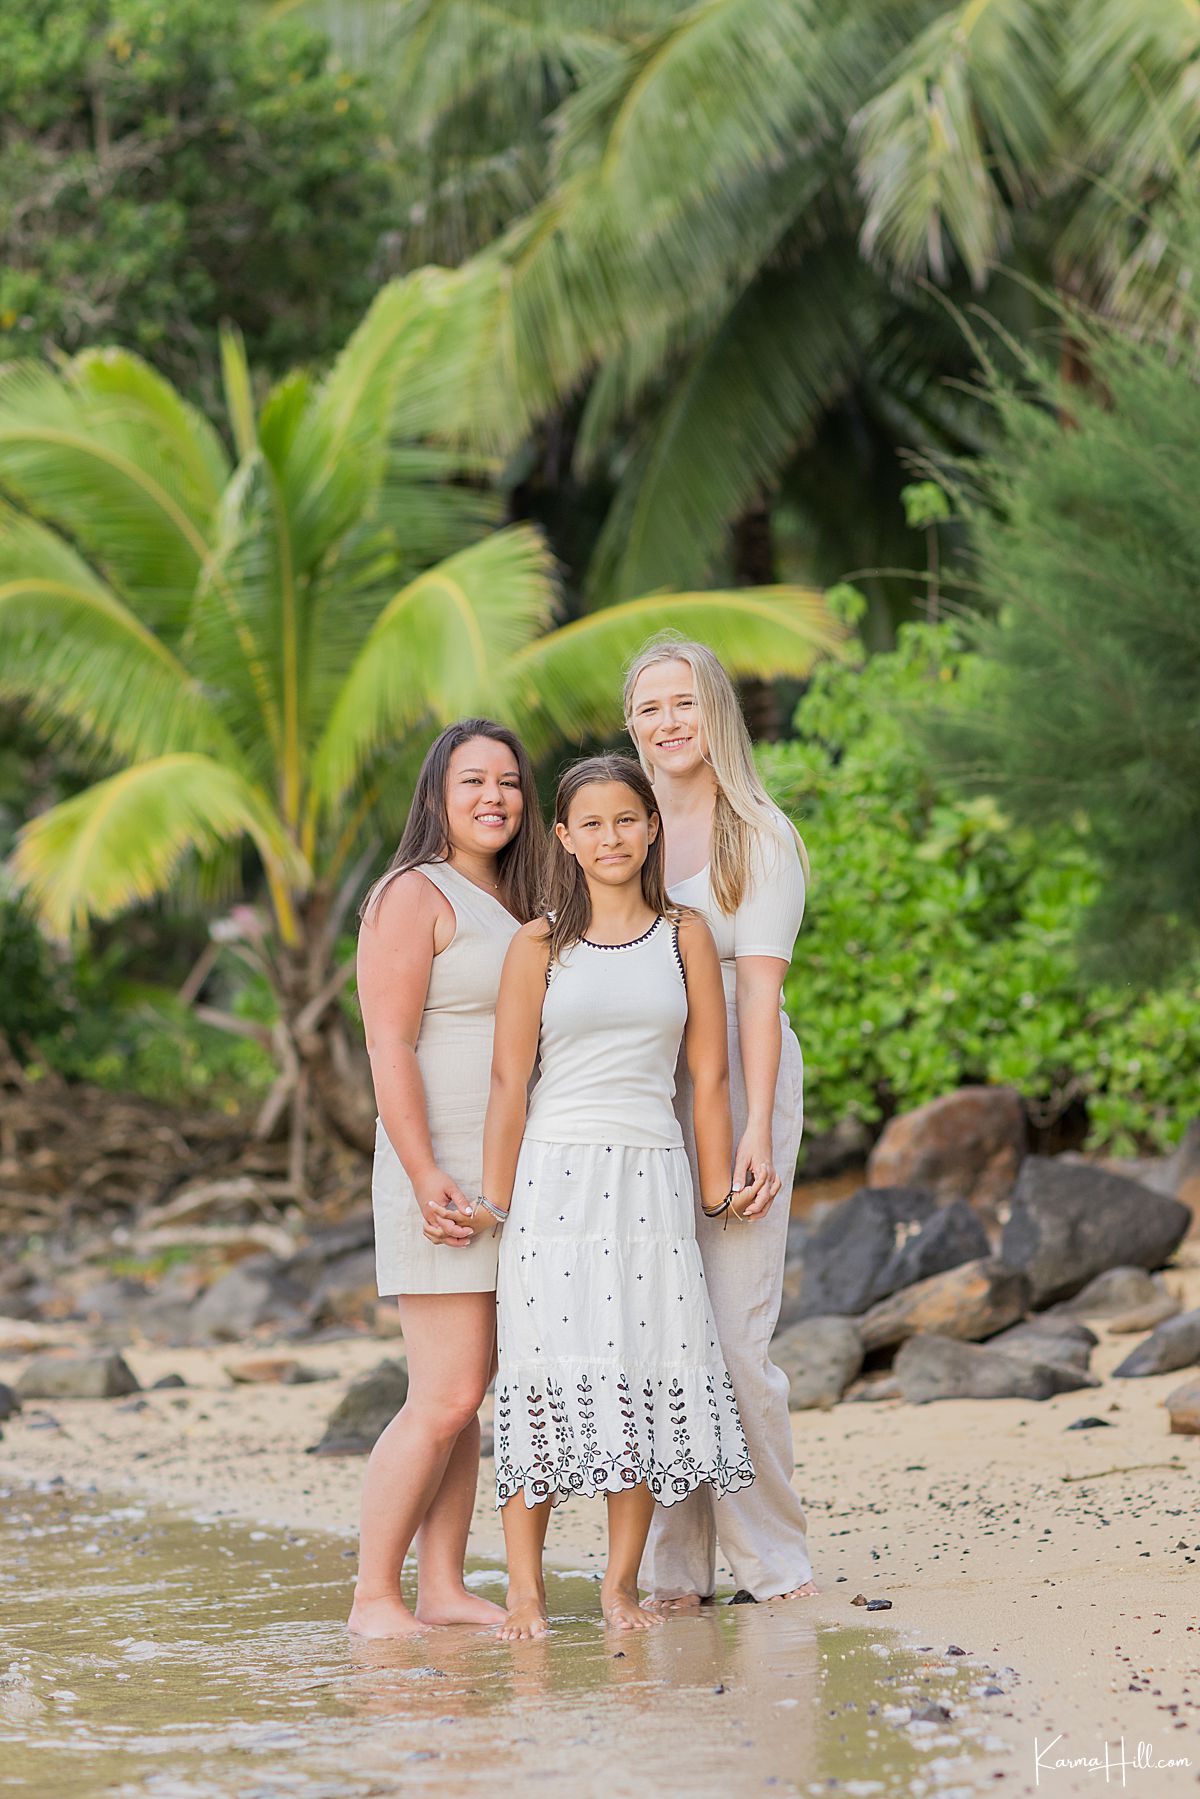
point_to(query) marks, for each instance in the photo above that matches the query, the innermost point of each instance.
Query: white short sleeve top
(768, 919)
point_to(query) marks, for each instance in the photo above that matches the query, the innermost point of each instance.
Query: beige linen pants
(761, 1528)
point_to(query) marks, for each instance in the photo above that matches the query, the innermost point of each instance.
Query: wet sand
(1069, 1557)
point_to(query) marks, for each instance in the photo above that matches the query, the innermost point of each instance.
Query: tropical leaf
(734, 414)
(436, 651)
(74, 655)
(96, 460)
(566, 686)
(122, 841)
(968, 125)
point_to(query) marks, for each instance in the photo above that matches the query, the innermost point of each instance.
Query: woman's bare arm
(760, 1033)
(396, 945)
(518, 1024)
(707, 1052)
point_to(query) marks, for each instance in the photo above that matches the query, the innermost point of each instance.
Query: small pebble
(879, 1605)
(1090, 1424)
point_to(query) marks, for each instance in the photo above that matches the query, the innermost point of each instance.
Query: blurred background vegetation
(368, 361)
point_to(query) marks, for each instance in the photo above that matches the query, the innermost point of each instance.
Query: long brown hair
(569, 902)
(520, 865)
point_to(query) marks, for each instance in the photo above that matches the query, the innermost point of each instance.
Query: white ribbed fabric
(454, 1055)
(611, 1024)
(610, 1371)
(762, 1529)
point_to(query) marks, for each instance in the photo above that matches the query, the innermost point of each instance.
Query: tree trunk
(754, 566)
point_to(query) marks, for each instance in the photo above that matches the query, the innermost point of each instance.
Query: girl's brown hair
(520, 865)
(569, 902)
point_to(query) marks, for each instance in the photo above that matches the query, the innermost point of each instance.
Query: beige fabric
(454, 1054)
(761, 1530)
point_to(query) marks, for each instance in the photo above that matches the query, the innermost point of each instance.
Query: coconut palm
(248, 643)
(730, 204)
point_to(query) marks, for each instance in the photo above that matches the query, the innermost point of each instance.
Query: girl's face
(484, 802)
(664, 719)
(608, 833)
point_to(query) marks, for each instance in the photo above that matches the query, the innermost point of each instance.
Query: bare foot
(387, 1616)
(525, 1619)
(681, 1605)
(459, 1607)
(807, 1590)
(622, 1612)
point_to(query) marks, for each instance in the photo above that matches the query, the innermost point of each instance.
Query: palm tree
(726, 209)
(248, 649)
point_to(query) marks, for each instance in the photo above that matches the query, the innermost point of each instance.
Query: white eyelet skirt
(610, 1370)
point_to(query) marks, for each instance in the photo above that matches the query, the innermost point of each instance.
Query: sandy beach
(1071, 1557)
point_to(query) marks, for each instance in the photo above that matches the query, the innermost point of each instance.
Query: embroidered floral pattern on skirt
(610, 1369)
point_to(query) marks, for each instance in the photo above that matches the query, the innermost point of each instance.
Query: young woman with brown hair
(467, 873)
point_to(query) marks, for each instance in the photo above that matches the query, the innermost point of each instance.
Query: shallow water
(145, 1653)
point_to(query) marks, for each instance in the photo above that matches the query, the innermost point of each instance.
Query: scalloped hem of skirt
(673, 1488)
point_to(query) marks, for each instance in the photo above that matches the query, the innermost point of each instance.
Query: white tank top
(612, 1022)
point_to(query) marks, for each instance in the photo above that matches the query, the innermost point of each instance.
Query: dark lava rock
(365, 1411)
(844, 1259)
(9, 1403)
(1069, 1222)
(1175, 1344)
(1115, 1291)
(89, 1376)
(934, 1367)
(258, 1291)
(952, 1236)
(973, 1301)
(966, 1145)
(1091, 1424)
(1048, 1339)
(879, 1605)
(820, 1357)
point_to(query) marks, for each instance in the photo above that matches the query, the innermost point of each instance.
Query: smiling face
(484, 802)
(608, 832)
(664, 719)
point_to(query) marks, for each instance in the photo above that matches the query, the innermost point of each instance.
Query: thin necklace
(493, 886)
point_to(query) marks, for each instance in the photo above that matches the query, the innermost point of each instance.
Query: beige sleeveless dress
(454, 1054)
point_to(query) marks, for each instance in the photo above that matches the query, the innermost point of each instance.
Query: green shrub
(938, 947)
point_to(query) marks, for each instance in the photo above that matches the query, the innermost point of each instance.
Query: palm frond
(967, 125)
(567, 685)
(74, 655)
(122, 841)
(745, 400)
(101, 462)
(436, 650)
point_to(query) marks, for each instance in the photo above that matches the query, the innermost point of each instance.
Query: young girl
(468, 871)
(611, 1378)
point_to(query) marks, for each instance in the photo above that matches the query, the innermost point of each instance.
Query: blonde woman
(733, 856)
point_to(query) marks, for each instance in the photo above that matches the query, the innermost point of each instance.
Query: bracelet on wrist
(495, 1212)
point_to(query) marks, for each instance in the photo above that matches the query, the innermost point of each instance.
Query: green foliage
(165, 166)
(1085, 701)
(79, 1014)
(938, 948)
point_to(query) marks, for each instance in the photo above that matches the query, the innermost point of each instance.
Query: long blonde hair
(743, 809)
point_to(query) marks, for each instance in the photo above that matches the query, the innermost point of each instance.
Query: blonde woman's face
(664, 719)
